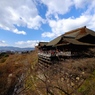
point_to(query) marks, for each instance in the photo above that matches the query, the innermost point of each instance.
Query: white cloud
(91, 8)
(29, 43)
(19, 13)
(3, 43)
(61, 26)
(87, 5)
(57, 6)
(81, 3)
(48, 34)
(64, 6)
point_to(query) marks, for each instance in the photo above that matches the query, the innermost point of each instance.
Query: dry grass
(14, 64)
(59, 78)
(52, 77)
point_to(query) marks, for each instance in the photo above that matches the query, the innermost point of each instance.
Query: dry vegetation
(12, 68)
(70, 77)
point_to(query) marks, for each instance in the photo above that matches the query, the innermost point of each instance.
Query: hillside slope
(12, 68)
(21, 74)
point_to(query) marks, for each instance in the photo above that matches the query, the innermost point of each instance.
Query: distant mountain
(10, 48)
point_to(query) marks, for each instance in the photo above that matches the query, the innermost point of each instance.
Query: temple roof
(73, 37)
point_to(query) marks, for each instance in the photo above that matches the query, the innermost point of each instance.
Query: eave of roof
(55, 41)
(74, 42)
(42, 43)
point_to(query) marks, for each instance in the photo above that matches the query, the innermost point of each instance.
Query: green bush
(88, 87)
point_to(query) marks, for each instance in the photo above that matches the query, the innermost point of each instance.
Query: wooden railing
(52, 58)
(68, 53)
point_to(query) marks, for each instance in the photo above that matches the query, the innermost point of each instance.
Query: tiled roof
(42, 43)
(73, 37)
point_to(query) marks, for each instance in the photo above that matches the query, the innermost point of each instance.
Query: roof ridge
(74, 30)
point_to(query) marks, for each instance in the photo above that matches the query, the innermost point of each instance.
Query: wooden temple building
(75, 43)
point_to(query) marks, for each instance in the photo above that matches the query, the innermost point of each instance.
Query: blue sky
(24, 23)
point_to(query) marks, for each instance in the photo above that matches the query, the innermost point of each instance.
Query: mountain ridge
(11, 48)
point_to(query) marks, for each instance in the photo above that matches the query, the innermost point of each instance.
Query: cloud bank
(3, 43)
(16, 13)
(61, 25)
(29, 43)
